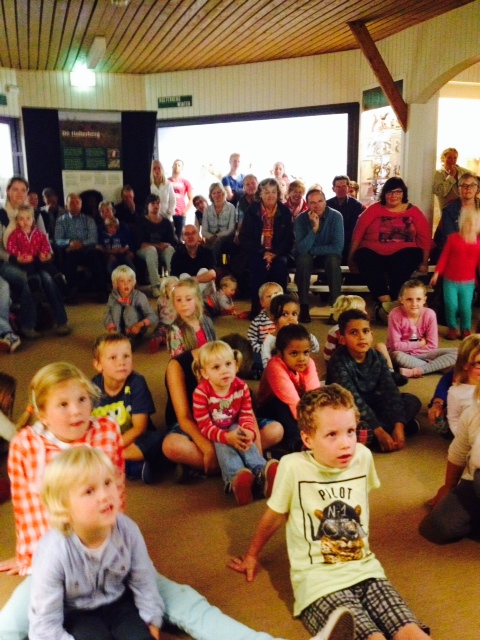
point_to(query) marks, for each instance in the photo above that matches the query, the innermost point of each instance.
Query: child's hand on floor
(385, 440)
(239, 440)
(247, 565)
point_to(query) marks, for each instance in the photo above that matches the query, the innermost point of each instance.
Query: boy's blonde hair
(412, 284)
(468, 350)
(212, 349)
(264, 287)
(228, 280)
(106, 339)
(345, 303)
(123, 271)
(332, 395)
(66, 471)
(165, 283)
(45, 380)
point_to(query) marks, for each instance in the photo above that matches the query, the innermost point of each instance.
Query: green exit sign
(175, 101)
(3, 99)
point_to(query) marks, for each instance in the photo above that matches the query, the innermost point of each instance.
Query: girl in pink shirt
(413, 334)
(287, 376)
(30, 250)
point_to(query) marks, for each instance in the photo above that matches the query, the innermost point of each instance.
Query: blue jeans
(4, 307)
(54, 298)
(184, 607)
(231, 460)
(17, 279)
(458, 298)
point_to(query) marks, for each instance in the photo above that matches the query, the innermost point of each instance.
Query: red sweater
(21, 244)
(287, 385)
(214, 414)
(459, 260)
(387, 232)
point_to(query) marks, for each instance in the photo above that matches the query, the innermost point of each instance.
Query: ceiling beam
(380, 69)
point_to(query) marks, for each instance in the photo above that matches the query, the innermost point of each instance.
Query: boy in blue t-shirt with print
(126, 398)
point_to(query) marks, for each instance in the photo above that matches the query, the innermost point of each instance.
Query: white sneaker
(340, 626)
(11, 342)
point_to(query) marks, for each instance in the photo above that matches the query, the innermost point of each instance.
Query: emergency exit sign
(175, 101)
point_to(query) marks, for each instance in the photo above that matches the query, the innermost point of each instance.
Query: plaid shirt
(30, 451)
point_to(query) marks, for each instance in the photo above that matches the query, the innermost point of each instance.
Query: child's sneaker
(340, 626)
(13, 340)
(364, 433)
(146, 473)
(269, 474)
(242, 484)
(4, 345)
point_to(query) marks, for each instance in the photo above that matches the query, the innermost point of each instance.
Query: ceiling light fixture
(96, 51)
(82, 77)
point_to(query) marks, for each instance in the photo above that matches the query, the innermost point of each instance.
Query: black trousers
(119, 620)
(385, 275)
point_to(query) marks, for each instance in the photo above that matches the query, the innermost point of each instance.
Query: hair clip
(30, 409)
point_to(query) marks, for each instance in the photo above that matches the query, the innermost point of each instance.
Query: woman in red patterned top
(390, 241)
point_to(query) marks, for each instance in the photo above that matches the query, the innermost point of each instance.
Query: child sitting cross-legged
(128, 310)
(413, 334)
(364, 372)
(284, 310)
(344, 303)
(126, 398)
(340, 588)
(262, 324)
(222, 408)
(221, 301)
(92, 576)
(165, 311)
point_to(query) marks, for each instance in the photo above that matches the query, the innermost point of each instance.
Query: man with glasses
(468, 189)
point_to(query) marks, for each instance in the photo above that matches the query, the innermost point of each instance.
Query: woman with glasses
(390, 241)
(266, 237)
(467, 200)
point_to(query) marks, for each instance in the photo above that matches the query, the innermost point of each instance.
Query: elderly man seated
(319, 243)
(194, 260)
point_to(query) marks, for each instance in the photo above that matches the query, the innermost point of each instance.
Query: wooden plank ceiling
(152, 36)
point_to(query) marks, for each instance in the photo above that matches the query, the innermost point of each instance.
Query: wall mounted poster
(91, 152)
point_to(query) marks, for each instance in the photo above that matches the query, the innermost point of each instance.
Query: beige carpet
(192, 531)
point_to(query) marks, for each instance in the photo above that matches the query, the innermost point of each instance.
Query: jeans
(54, 298)
(4, 307)
(458, 297)
(305, 263)
(17, 280)
(151, 255)
(184, 607)
(231, 460)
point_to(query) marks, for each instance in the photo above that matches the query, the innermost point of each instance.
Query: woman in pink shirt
(390, 241)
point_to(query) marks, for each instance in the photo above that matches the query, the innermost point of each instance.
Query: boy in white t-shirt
(340, 588)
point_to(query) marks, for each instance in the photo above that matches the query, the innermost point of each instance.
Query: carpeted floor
(191, 531)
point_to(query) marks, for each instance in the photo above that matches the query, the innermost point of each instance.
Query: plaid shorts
(375, 604)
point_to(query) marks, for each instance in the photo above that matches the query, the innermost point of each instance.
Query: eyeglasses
(469, 185)
(395, 192)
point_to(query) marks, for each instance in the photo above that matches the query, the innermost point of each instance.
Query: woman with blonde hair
(161, 187)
